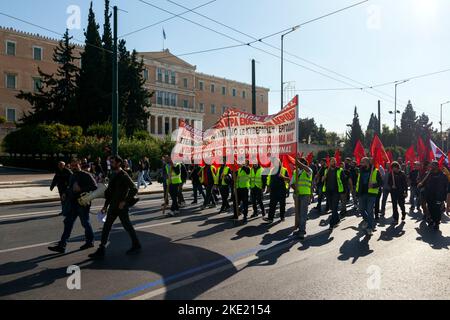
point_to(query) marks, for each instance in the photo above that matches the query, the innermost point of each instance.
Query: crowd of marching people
(240, 189)
(337, 186)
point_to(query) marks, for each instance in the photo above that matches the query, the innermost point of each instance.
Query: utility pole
(253, 87)
(115, 91)
(282, 63)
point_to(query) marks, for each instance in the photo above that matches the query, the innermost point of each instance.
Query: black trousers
(180, 194)
(398, 200)
(242, 195)
(333, 203)
(224, 194)
(435, 211)
(277, 196)
(377, 204)
(209, 195)
(174, 191)
(198, 188)
(257, 199)
(126, 223)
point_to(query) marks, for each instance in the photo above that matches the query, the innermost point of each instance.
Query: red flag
(422, 150)
(431, 155)
(441, 162)
(310, 158)
(410, 156)
(337, 155)
(328, 160)
(359, 152)
(287, 163)
(378, 152)
(390, 156)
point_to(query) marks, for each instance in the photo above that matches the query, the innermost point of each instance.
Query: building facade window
(234, 92)
(159, 76)
(185, 104)
(37, 84)
(244, 94)
(166, 76)
(201, 107)
(145, 74)
(173, 78)
(185, 82)
(10, 48)
(11, 81)
(10, 114)
(262, 98)
(224, 91)
(213, 88)
(224, 109)
(213, 109)
(173, 100)
(200, 85)
(166, 98)
(37, 53)
(159, 97)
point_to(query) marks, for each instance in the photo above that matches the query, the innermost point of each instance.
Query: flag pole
(296, 204)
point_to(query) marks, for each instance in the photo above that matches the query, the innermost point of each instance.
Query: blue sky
(377, 42)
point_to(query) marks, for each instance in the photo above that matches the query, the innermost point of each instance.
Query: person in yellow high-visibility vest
(301, 183)
(210, 179)
(368, 186)
(333, 186)
(174, 181)
(243, 185)
(225, 178)
(277, 185)
(257, 188)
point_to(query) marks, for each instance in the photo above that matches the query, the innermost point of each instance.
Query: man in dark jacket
(413, 178)
(196, 184)
(119, 194)
(61, 181)
(80, 182)
(398, 185)
(333, 186)
(436, 193)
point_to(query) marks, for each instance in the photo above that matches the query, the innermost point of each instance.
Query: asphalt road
(204, 255)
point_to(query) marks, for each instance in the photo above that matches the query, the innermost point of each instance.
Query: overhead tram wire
(165, 20)
(310, 62)
(52, 31)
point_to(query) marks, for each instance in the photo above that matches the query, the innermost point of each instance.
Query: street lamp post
(442, 133)
(282, 62)
(395, 108)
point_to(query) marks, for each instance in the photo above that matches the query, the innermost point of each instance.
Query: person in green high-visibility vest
(368, 186)
(277, 184)
(301, 183)
(224, 187)
(333, 186)
(257, 186)
(174, 181)
(243, 185)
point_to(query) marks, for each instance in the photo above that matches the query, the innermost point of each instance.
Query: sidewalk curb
(55, 199)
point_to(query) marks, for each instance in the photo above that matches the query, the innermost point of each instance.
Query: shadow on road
(433, 237)
(171, 261)
(392, 232)
(355, 248)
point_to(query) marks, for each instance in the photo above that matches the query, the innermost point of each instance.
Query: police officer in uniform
(243, 185)
(277, 185)
(302, 185)
(257, 188)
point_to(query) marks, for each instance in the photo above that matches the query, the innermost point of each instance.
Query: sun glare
(425, 9)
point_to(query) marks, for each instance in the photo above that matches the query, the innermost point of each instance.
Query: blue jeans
(366, 207)
(141, 180)
(69, 220)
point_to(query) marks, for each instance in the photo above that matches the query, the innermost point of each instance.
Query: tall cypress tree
(54, 100)
(107, 42)
(91, 95)
(355, 134)
(372, 128)
(408, 126)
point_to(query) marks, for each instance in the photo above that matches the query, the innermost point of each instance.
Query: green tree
(408, 126)
(90, 99)
(356, 134)
(387, 136)
(54, 100)
(372, 128)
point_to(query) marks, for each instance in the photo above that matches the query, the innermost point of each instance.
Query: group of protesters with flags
(368, 179)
